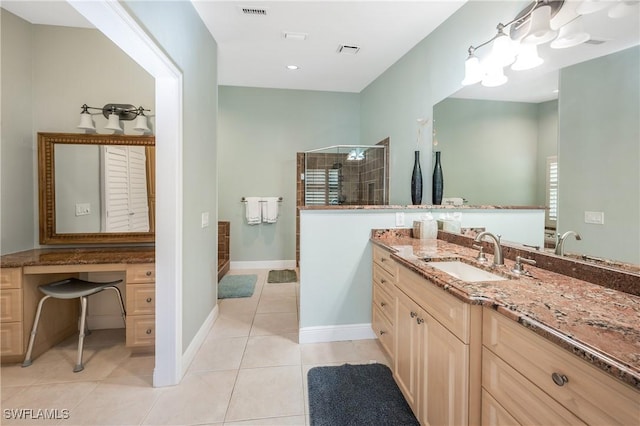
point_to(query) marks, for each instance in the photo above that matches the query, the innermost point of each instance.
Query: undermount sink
(465, 272)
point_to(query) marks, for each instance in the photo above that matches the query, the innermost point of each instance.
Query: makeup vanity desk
(21, 273)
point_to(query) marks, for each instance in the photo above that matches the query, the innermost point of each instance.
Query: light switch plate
(205, 219)
(399, 218)
(596, 218)
(83, 209)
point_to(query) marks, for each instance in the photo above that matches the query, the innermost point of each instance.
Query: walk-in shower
(346, 175)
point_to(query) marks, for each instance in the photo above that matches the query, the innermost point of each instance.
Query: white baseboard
(263, 264)
(336, 333)
(198, 339)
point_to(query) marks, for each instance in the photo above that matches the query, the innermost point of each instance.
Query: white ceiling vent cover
(253, 11)
(346, 49)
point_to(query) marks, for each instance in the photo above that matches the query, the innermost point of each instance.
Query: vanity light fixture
(114, 113)
(529, 29)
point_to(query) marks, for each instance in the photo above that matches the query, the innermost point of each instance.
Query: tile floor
(249, 371)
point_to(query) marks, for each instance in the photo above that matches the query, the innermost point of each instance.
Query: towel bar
(244, 200)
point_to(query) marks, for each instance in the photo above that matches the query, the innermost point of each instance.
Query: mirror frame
(47, 194)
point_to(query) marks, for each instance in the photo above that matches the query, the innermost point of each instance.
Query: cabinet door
(444, 396)
(407, 348)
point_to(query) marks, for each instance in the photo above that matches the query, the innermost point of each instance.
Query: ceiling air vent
(253, 11)
(346, 49)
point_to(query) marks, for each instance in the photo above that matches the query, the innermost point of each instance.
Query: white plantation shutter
(125, 207)
(552, 191)
(321, 187)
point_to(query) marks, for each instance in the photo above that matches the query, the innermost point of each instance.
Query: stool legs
(83, 318)
(27, 359)
(122, 311)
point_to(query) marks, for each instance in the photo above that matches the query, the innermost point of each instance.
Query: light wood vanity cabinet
(11, 339)
(385, 276)
(141, 306)
(537, 382)
(437, 352)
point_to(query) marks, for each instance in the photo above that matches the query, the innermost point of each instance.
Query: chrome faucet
(560, 241)
(497, 248)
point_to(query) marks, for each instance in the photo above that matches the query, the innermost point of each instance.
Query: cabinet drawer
(11, 278)
(141, 299)
(452, 313)
(385, 302)
(383, 278)
(522, 399)
(383, 330)
(11, 305)
(141, 330)
(141, 273)
(383, 258)
(11, 339)
(493, 414)
(592, 395)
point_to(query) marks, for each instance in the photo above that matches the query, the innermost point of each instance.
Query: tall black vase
(438, 182)
(416, 180)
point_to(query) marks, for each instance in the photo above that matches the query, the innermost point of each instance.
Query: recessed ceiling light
(293, 67)
(287, 35)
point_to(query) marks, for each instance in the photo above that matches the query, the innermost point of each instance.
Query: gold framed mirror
(96, 189)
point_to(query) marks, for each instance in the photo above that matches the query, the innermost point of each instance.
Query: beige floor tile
(202, 397)
(97, 338)
(283, 289)
(277, 304)
(274, 421)
(276, 323)
(231, 326)
(371, 350)
(59, 398)
(116, 401)
(331, 352)
(8, 392)
(219, 354)
(271, 351)
(266, 392)
(238, 307)
(135, 365)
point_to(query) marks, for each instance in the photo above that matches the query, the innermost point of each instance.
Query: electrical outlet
(399, 218)
(205, 219)
(596, 218)
(83, 209)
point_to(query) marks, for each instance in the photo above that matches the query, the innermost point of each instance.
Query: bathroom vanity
(505, 348)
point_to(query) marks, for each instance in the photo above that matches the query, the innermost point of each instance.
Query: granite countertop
(78, 256)
(596, 323)
(418, 207)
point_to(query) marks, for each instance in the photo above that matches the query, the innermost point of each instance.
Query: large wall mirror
(96, 188)
(579, 110)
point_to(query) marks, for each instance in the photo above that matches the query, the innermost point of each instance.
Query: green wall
(547, 145)
(260, 132)
(599, 155)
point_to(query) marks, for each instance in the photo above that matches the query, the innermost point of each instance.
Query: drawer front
(592, 395)
(145, 273)
(11, 278)
(11, 305)
(11, 339)
(493, 414)
(383, 278)
(383, 330)
(452, 313)
(383, 258)
(522, 399)
(385, 302)
(141, 330)
(141, 299)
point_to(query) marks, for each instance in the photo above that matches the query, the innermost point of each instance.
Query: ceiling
(253, 50)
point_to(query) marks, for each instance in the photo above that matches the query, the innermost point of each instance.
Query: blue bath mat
(232, 286)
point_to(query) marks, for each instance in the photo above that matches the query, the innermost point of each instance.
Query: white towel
(253, 210)
(270, 209)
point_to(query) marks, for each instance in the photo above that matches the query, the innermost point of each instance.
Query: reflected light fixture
(518, 46)
(114, 114)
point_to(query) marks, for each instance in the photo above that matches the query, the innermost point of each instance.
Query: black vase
(438, 182)
(416, 180)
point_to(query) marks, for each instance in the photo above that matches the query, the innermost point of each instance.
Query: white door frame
(114, 22)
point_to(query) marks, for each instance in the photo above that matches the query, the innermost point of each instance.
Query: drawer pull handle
(559, 379)
(148, 331)
(419, 320)
(148, 300)
(382, 304)
(413, 315)
(382, 332)
(148, 273)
